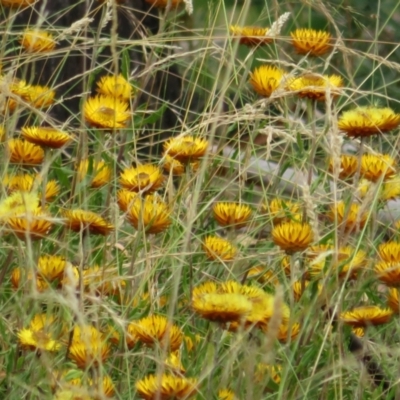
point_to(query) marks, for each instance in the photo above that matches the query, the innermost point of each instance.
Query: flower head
(348, 166)
(78, 220)
(292, 236)
(175, 167)
(115, 86)
(51, 268)
(40, 284)
(218, 248)
(311, 41)
(106, 112)
(391, 189)
(266, 79)
(145, 178)
(251, 35)
(232, 214)
(374, 167)
(100, 172)
(226, 394)
(316, 87)
(388, 272)
(393, 300)
(46, 137)
(37, 41)
(125, 199)
(166, 387)
(149, 213)
(366, 315)
(349, 215)
(18, 203)
(262, 275)
(186, 149)
(25, 153)
(367, 121)
(389, 252)
(281, 210)
(39, 96)
(264, 371)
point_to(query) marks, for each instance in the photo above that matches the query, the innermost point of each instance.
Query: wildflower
(232, 214)
(292, 236)
(104, 388)
(2, 133)
(281, 210)
(259, 272)
(45, 136)
(25, 153)
(266, 79)
(366, 315)
(51, 268)
(186, 149)
(224, 307)
(226, 394)
(348, 166)
(287, 332)
(78, 220)
(374, 167)
(40, 96)
(310, 41)
(174, 363)
(205, 288)
(175, 167)
(359, 332)
(316, 87)
(367, 121)
(298, 288)
(40, 284)
(166, 387)
(285, 264)
(391, 189)
(251, 35)
(106, 112)
(218, 248)
(100, 172)
(145, 178)
(88, 346)
(150, 214)
(16, 3)
(37, 41)
(389, 252)
(354, 217)
(388, 272)
(271, 371)
(18, 203)
(393, 300)
(115, 86)
(125, 199)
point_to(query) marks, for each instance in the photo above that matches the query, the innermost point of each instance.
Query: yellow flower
(354, 218)
(287, 332)
(115, 86)
(150, 214)
(389, 252)
(175, 167)
(292, 236)
(145, 178)
(281, 210)
(174, 363)
(251, 35)
(232, 214)
(348, 166)
(374, 167)
(157, 329)
(388, 272)
(391, 189)
(51, 268)
(105, 281)
(125, 199)
(358, 332)
(164, 3)
(264, 371)
(16, 3)
(262, 275)
(266, 79)
(18, 203)
(40, 96)
(2, 134)
(316, 87)
(366, 315)
(79, 220)
(166, 387)
(367, 121)
(205, 288)
(37, 41)
(100, 172)
(25, 153)
(226, 394)
(45, 136)
(88, 347)
(393, 300)
(224, 307)
(299, 288)
(185, 149)
(311, 41)
(218, 248)
(40, 284)
(106, 112)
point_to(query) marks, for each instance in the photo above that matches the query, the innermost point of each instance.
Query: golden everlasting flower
(226, 394)
(299, 288)
(316, 87)
(51, 268)
(354, 218)
(292, 236)
(40, 96)
(25, 153)
(218, 248)
(266, 79)
(311, 41)
(45, 136)
(185, 149)
(175, 167)
(391, 189)
(264, 371)
(79, 220)
(389, 252)
(226, 307)
(260, 273)
(125, 199)
(18, 203)
(205, 288)
(281, 210)
(166, 387)
(174, 363)
(251, 35)
(388, 272)
(288, 332)
(374, 167)
(157, 329)
(232, 214)
(360, 332)
(115, 86)
(366, 315)
(145, 178)
(37, 41)
(150, 214)
(2, 133)
(40, 284)
(348, 166)
(106, 112)
(16, 3)
(393, 300)
(88, 347)
(100, 172)
(367, 121)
